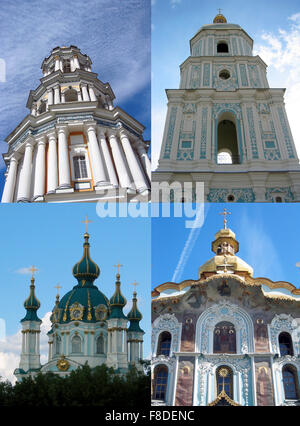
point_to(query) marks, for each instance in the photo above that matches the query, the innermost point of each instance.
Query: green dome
(134, 316)
(31, 305)
(86, 271)
(117, 301)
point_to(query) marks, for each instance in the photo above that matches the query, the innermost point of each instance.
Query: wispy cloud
(24, 271)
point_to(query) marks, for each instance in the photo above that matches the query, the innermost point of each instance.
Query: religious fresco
(264, 385)
(184, 390)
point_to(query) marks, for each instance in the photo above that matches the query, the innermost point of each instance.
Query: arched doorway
(227, 142)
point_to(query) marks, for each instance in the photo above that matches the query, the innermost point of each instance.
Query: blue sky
(50, 237)
(274, 27)
(268, 236)
(115, 34)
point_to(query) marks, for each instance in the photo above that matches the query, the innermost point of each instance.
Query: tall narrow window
(290, 382)
(67, 65)
(224, 338)
(80, 169)
(285, 344)
(57, 345)
(160, 382)
(100, 345)
(164, 344)
(224, 380)
(76, 345)
(227, 149)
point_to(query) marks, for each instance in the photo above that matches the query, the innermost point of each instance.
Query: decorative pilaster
(9, 188)
(85, 94)
(95, 155)
(52, 178)
(25, 176)
(92, 93)
(63, 158)
(50, 97)
(39, 177)
(144, 159)
(76, 62)
(57, 94)
(107, 158)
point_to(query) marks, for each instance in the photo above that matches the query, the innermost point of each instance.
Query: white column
(92, 93)
(79, 95)
(107, 158)
(25, 176)
(85, 92)
(125, 181)
(39, 177)
(34, 110)
(95, 156)
(63, 98)
(63, 158)
(76, 62)
(144, 159)
(57, 63)
(72, 66)
(9, 188)
(137, 174)
(50, 97)
(52, 178)
(57, 94)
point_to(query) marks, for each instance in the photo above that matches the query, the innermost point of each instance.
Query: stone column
(76, 62)
(63, 98)
(79, 96)
(63, 157)
(125, 181)
(57, 94)
(52, 178)
(137, 174)
(25, 176)
(39, 177)
(9, 188)
(50, 97)
(144, 158)
(57, 63)
(34, 110)
(92, 93)
(95, 156)
(107, 158)
(85, 92)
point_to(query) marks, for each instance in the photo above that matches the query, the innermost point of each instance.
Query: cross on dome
(118, 266)
(33, 269)
(86, 221)
(225, 213)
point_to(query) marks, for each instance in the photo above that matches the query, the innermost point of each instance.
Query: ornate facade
(226, 338)
(225, 126)
(86, 327)
(75, 145)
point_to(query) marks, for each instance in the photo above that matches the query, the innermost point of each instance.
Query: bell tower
(225, 126)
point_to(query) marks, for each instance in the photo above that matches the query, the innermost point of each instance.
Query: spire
(117, 301)
(134, 316)
(86, 271)
(31, 304)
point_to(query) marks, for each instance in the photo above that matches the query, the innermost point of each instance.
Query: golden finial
(33, 269)
(225, 213)
(135, 284)
(57, 288)
(86, 221)
(118, 266)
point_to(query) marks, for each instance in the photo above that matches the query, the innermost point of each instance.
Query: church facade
(225, 126)
(75, 145)
(226, 338)
(87, 327)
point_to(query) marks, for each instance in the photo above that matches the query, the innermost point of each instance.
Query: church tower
(30, 355)
(225, 126)
(75, 144)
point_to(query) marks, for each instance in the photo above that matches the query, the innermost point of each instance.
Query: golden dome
(220, 263)
(220, 19)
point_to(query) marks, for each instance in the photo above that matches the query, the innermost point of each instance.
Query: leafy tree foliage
(100, 386)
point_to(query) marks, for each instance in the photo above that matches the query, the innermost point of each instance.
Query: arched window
(100, 345)
(160, 382)
(222, 47)
(224, 380)
(285, 344)
(67, 65)
(290, 382)
(227, 143)
(164, 344)
(71, 95)
(80, 169)
(57, 345)
(224, 338)
(76, 345)
(278, 200)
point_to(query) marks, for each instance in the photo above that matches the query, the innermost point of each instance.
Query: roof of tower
(134, 316)
(31, 305)
(117, 301)
(86, 271)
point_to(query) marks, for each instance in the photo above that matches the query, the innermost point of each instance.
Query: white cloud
(10, 350)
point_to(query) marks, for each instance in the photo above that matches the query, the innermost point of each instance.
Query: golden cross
(118, 267)
(225, 213)
(135, 284)
(219, 11)
(86, 221)
(33, 269)
(57, 287)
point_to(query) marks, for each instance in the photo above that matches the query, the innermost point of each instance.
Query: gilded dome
(220, 19)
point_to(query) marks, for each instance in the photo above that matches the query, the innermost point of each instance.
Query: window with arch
(164, 343)
(278, 199)
(57, 345)
(160, 382)
(71, 95)
(224, 338)
(80, 169)
(76, 345)
(222, 47)
(227, 142)
(100, 345)
(224, 380)
(290, 382)
(67, 65)
(285, 344)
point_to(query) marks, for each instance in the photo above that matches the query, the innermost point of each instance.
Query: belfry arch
(227, 139)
